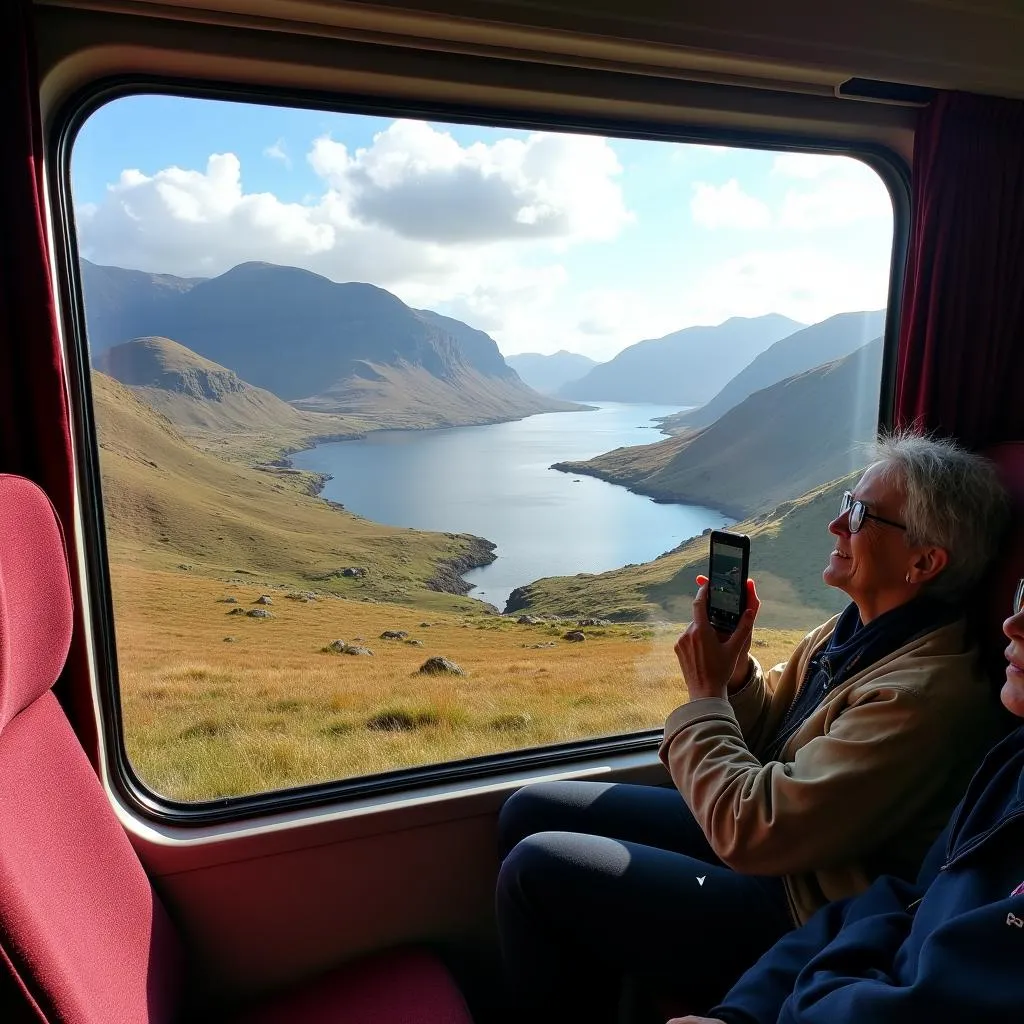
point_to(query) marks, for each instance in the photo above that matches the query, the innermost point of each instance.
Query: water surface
(495, 481)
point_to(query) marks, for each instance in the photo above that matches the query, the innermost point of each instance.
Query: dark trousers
(604, 881)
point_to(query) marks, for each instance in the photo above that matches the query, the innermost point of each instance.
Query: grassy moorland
(167, 503)
(207, 717)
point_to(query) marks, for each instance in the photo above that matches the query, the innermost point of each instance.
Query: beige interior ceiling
(801, 45)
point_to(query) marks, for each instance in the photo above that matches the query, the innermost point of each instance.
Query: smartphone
(727, 579)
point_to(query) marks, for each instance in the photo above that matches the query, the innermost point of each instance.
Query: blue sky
(546, 241)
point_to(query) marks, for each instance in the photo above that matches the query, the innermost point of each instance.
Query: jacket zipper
(955, 858)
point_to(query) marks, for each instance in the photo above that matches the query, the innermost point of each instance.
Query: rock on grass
(340, 647)
(438, 666)
(394, 634)
(257, 613)
(574, 636)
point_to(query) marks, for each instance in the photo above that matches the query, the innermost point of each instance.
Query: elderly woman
(799, 786)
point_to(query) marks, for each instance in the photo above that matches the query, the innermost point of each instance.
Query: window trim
(71, 116)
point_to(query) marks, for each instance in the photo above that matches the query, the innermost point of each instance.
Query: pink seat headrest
(35, 596)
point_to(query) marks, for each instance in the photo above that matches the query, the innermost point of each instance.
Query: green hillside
(781, 441)
(213, 407)
(789, 548)
(169, 504)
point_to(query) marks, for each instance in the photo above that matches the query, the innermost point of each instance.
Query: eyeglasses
(858, 512)
(1018, 597)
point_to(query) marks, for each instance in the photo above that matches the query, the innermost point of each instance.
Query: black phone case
(722, 618)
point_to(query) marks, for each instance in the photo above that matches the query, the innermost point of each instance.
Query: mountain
(212, 405)
(548, 373)
(684, 368)
(779, 442)
(340, 348)
(789, 547)
(122, 304)
(833, 338)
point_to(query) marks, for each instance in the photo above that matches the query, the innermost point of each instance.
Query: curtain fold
(35, 437)
(960, 367)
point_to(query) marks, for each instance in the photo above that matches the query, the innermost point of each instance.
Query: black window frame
(891, 168)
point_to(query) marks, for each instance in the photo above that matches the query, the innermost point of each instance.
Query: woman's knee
(529, 810)
(550, 869)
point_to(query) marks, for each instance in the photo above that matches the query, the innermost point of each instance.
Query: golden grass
(208, 718)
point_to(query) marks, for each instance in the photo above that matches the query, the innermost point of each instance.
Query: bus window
(410, 433)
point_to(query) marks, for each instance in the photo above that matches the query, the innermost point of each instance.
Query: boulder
(594, 622)
(414, 643)
(529, 620)
(574, 636)
(356, 649)
(354, 572)
(237, 611)
(336, 647)
(264, 599)
(437, 666)
(259, 613)
(228, 600)
(394, 634)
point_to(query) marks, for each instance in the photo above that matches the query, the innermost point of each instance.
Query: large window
(382, 406)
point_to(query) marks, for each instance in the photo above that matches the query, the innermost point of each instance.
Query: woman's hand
(713, 661)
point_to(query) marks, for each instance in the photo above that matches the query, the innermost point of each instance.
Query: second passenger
(794, 787)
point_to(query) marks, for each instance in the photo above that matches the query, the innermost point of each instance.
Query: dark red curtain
(35, 440)
(960, 370)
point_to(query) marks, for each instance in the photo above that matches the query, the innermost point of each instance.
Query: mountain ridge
(812, 346)
(780, 441)
(325, 345)
(684, 368)
(548, 373)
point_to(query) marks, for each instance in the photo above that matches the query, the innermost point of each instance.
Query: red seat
(83, 936)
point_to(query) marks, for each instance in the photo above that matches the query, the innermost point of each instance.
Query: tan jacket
(864, 785)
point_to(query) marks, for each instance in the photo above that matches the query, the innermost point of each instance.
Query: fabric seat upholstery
(82, 933)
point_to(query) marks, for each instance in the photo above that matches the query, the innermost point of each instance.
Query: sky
(544, 240)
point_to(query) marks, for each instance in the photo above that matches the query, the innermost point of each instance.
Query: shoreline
(448, 576)
(659, 497)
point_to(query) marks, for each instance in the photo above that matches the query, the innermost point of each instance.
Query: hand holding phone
(728, 569)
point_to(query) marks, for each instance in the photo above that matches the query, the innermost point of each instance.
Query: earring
(908, 577)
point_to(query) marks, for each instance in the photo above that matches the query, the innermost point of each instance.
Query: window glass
(382, 406)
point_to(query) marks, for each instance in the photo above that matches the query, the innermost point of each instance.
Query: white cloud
(728, 206)
(484, 232)
(277, 151)
(481, 228)
(844, 192)
(422, 184)
(803, 282)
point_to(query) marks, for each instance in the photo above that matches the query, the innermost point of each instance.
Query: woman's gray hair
(952, 499)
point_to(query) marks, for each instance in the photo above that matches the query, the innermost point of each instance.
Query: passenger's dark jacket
(949, 949)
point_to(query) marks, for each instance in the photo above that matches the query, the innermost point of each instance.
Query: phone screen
(727, 573)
